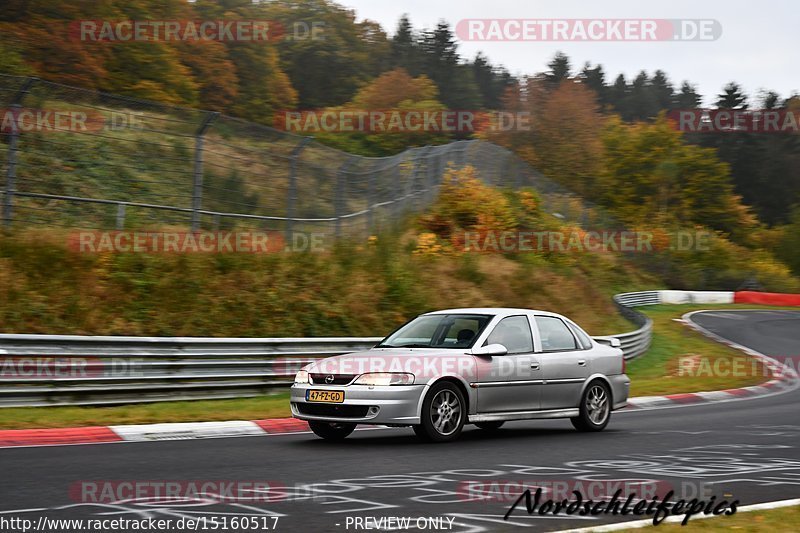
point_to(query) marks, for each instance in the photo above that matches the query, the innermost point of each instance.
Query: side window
(514, 333)
(556, 336)
(583, 338)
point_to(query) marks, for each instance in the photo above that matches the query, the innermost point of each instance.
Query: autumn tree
(395, 90)
(652, 173)
(566, 135)
(263, 86)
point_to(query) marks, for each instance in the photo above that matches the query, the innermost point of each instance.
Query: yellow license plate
(325, 396)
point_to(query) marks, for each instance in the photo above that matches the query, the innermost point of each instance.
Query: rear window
(583, 338)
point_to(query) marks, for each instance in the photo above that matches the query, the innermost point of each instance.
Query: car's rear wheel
(331, 430)
(489, 426)
(443, 413)
(595, 408)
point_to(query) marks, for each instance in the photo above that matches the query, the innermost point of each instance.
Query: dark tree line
(434, 53)
(765, 167)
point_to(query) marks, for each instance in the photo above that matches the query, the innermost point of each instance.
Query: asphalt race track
(744, 449)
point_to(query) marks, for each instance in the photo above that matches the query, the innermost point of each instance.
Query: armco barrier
(187, 368)
(121, 370)
(696, 297)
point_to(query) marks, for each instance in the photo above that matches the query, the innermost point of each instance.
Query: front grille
(338, 379)
(340, 411)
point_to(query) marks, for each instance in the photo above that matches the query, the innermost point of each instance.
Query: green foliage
(788, 247)
(650, 169)
(11, 61)
(395, 90)
(350, 289)
(466, 204)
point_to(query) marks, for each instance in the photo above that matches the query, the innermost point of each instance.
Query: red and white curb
(150, 432)
(784, 379)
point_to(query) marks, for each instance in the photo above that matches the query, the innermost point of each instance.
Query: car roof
(504, 311)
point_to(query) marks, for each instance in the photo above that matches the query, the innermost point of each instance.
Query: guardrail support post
(11, 166)
(291, 195)
(197, 194)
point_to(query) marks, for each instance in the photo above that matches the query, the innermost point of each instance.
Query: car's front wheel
(331, 430)
(595, 408)
(443, 413)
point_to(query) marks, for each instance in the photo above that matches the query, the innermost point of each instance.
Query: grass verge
(659, 370)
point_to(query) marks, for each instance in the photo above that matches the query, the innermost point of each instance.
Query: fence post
(465, 152)
(120, 216)
(11, 167)
(428, 173)
(462, 154)
(339, 198)
(435, 177)
(398, 192)
(197, 194)
(291, 195)
(11, 176)
(373, 176)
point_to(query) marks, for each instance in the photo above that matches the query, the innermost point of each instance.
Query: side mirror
(492, 349)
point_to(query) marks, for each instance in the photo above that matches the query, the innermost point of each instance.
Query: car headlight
(301, 378)
(380, 379)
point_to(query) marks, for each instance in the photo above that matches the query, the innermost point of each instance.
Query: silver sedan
(483, 366)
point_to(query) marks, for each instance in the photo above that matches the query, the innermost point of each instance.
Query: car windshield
(438, 331)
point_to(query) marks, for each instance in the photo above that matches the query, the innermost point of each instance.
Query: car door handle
(534, 366)
(582, 363)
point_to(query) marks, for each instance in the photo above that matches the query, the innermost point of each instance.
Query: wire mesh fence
(90, 160)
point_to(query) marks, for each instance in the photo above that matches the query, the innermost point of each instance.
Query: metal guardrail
(119, 370)
(116, 370)
(636, 343)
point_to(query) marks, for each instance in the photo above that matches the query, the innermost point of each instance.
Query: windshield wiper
(385, 346)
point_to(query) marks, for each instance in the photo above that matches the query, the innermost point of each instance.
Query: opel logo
(329, 378)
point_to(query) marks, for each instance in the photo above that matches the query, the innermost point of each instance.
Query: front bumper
(396, 404)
